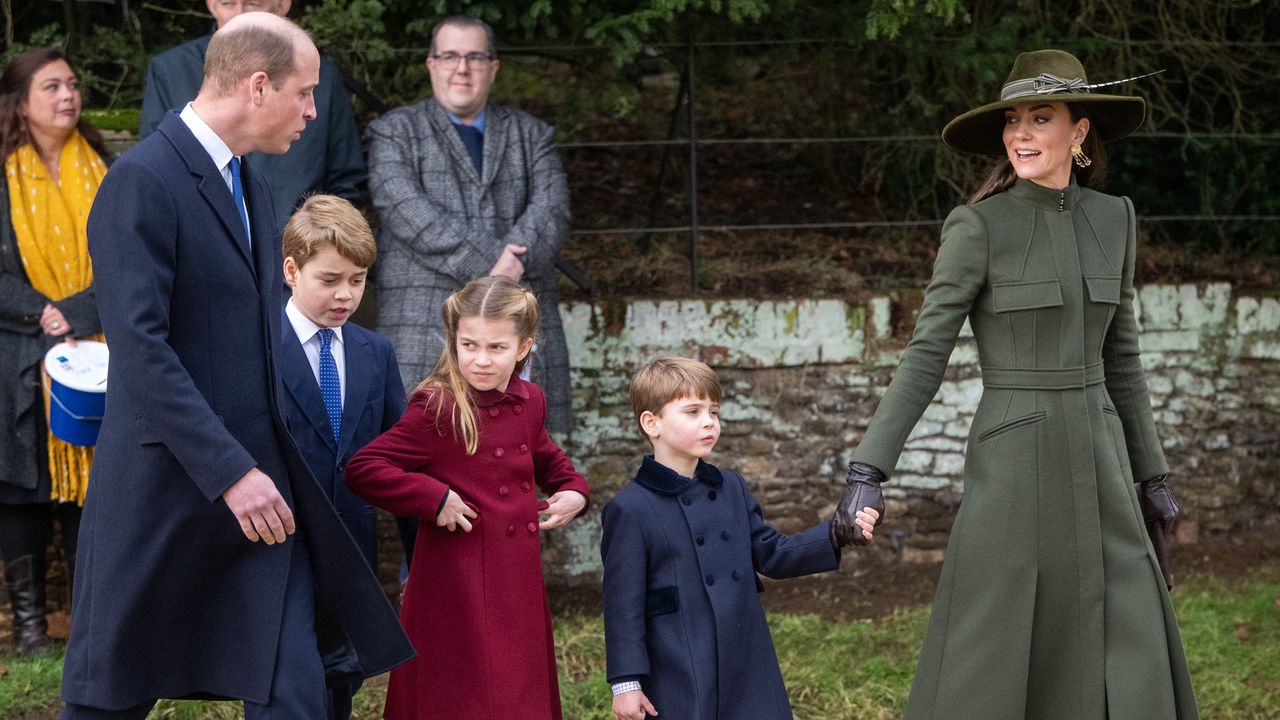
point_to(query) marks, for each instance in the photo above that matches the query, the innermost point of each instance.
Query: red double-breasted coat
(475, 605)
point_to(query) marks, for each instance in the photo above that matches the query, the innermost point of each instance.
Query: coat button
(686, 500)
(711, 495)
(525, 487)
(341, 466)
(493, 412)
(711, 579)
(502, 491)
(700, 540)
(524, 448)
(533, 527)
(517, 410)
(511, 529)
(737, 575)
(724, 535)
(498, 452)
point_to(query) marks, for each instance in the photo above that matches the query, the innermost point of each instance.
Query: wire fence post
(693, 164)
(655, 204)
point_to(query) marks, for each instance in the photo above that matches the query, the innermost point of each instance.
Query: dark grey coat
(443, 225)
(682, 612)
(24, 476)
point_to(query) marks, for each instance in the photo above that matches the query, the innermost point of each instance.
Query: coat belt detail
(1072, 378)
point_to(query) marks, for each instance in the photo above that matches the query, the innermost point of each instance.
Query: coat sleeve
(553, 470)
(133, 235)
(81, 312)
(777, 555)
(624, 553)
(389, 471)
(544, 224)
(393, 393)
(1126, 382)
(344, 157)
(442, 240)
(959, 274)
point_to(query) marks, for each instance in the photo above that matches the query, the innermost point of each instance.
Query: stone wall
(803, 377)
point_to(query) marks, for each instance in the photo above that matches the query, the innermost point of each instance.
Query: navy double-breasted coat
(171, 599)
(682, 610)
(372, 402)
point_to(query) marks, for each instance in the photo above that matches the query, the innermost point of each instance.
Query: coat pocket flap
(1007, 297)
(661, 601)
(1104, 289)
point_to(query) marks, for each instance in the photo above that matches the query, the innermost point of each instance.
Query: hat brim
(980, 130)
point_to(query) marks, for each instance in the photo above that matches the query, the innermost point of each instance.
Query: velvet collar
(661, 479)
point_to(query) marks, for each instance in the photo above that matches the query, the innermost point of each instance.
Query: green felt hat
(1045, 76)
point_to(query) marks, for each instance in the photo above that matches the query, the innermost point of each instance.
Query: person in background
(327, 158)
(1052, 603)
(54, 161)
(466, 189)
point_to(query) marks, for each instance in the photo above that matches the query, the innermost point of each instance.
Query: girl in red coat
(467, 459)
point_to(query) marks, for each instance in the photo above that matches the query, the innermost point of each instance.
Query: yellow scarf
(49, 223)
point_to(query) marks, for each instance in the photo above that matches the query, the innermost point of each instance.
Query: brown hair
(329, 221)
(464, 21)
(15, 87)
(239, 52)
(671, 378)
(491, 298)
(1002, 176)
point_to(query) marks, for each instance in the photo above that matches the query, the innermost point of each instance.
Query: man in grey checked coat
(463, 190)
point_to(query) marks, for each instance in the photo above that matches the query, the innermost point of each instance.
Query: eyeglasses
(450, 60)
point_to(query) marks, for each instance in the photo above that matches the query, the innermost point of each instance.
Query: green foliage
(29, 685)
(887, 18)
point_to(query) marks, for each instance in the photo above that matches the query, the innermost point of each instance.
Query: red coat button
(524, 487)
(524, 448)
(517, 410)
(493, 412)
(533, 527)
(503, 491)
(498, 452)
(511, 529)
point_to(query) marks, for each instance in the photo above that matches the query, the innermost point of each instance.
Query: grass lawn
(858, 670)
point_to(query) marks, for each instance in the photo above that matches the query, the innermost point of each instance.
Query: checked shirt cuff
(624, 687)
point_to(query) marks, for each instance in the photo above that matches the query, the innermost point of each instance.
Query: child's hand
(866, 519)
(455, 513)
(561, 508)
(632, 706)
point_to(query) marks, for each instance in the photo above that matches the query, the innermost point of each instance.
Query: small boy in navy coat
(685, 634)
(342, 382)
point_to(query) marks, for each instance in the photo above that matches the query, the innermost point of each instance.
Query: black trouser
(25, 531)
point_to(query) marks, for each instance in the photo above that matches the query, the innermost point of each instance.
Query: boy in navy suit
(343, 383)
(684, 630)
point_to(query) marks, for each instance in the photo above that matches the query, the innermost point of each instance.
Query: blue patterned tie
(330, 386)
(237, 194)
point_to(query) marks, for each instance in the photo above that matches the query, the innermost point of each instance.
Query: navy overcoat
(171, 599)
(373, 401)
(682, 611)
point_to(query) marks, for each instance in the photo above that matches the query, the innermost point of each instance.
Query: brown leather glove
(861, 489)
(1159, 508)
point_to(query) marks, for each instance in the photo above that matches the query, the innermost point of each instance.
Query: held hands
(560, 509)
(1157, 503)
(863, 501)
(632, 705)
(455, 513)
(257, 504)
(509, 263)
(53, 323)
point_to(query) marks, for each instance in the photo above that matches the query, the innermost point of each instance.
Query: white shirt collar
(303, 327)
(207, 138)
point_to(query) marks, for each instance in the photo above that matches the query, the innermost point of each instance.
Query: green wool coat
(1051, 604)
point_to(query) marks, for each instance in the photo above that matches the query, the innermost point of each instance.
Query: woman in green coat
(1052, 604)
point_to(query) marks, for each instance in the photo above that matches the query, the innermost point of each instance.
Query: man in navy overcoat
(210, 562)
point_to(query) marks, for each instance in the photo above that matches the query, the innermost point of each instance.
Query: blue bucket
(77, 390)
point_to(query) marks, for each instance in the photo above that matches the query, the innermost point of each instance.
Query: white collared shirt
(212, 144)
(305, 330)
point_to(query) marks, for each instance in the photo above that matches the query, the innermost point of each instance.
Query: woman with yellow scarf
(53, 163)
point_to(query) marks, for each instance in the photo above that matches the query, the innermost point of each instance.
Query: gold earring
(1077, 154)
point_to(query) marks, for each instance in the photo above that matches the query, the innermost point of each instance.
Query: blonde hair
(329, 221)
(491, 298)
(671, 378)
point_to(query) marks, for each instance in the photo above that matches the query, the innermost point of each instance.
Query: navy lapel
(212, 185)
(301, 383)
(448, 134)
(359, 357)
